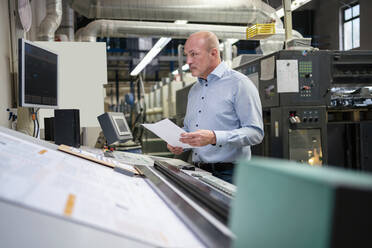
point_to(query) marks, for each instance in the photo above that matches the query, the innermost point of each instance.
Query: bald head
(209, 39)
(202, 52)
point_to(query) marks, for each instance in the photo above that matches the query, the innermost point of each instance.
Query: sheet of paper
(287, 76)
(168, 131)
(133, 158)
(86, 192)
(268, 68)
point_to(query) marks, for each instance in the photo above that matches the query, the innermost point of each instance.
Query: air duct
(67, 24)
(197, 11)
(51, 21)
(116, 28)
(220, 11)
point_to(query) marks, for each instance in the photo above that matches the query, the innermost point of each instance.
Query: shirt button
(199, 111)
(195, 154)
(206, 85)
(196, 125)
(202, 97)
(220, 145)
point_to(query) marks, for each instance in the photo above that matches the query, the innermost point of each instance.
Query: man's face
(199, 58)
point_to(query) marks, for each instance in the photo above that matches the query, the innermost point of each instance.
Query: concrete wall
(327, 23)
(5, 76)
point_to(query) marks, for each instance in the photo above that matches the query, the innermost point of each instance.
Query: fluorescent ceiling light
(295, 4)
(160, 44)
(180, 21)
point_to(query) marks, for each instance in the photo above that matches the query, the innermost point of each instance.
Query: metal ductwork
(51, 21)
(276, 42)
(200, 11)
(197, 11)
(67, 24)
(116, 28)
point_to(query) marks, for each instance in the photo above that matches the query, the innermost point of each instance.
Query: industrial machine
(304, 129)
(304, 78)
(304, 94)
(279, 203)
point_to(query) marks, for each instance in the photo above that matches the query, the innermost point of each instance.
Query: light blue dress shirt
(227, 103)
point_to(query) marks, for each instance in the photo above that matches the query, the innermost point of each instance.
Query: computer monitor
(38, 76)
(115, 127)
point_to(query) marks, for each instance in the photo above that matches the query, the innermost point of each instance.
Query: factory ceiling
(125, 53)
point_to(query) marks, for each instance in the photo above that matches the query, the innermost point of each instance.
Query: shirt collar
(217, 72)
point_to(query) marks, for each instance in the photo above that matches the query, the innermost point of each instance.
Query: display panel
(115, 127)
(38, 76)
(121, 125)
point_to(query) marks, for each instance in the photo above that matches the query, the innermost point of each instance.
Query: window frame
(350, 20)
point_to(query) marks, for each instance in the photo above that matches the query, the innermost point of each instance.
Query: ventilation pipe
(221, 11)
(116, 28)
(67, 24)
(197, 11)
(51, 21)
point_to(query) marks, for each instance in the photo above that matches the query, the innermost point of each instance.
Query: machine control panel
(308, 116)
(306, 81)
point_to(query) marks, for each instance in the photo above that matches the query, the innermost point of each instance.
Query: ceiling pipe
(244, 12)
(117, 29)
(51, 21)
(67, 23)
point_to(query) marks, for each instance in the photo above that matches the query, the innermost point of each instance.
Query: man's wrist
(214, 140)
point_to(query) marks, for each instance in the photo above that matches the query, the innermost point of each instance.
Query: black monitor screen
(121, 125)
(38, 76)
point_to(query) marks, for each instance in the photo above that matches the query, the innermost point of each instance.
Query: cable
(37, 121)
(33, 119)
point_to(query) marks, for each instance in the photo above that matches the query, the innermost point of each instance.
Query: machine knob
(292, 120)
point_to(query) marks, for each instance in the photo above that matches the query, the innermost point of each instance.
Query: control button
(195, 154)
(310, 119)
(315, 119)
(304, 119)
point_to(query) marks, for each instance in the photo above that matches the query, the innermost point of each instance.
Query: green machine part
(291, 205)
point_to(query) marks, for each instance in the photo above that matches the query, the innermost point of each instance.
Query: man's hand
(175, 150)
(199, 138)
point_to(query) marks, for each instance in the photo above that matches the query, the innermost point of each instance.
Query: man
(223, 117)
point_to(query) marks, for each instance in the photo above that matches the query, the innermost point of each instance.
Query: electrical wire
(37, 121)
(33, 120)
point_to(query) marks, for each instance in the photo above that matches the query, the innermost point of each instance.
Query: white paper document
(268, 68)
(168, 131)
(287, 75)
(62, 185)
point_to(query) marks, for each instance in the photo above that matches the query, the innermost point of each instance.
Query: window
(351, 26)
